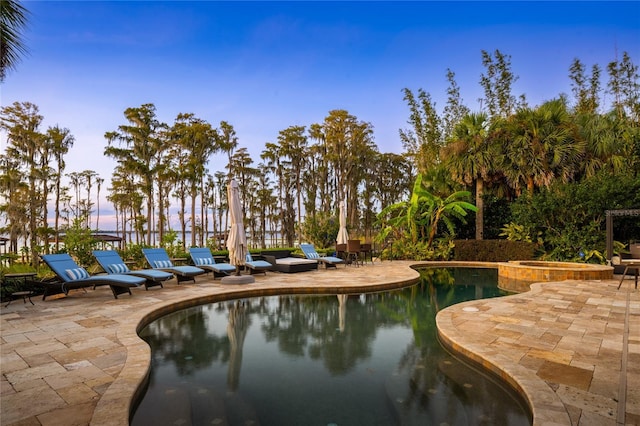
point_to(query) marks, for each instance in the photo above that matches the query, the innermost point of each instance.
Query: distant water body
(131, 239)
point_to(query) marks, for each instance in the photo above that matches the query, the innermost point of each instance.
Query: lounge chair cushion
(163, 264)
(292, 264)
(295, 261)
(204, 261)
(119, 268)
(77, 274)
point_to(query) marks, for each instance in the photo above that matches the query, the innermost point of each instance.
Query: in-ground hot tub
(517, 275)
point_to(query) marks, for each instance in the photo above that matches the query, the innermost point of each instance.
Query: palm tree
(13, 19)
(470, 158)
(609, 143)
(61, 142)
(542, 146)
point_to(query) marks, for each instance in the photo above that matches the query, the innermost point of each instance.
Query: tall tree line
(303, 172)
(31, 172)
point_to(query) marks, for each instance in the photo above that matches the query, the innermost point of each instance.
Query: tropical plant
(514, 232)
(540, 147)
(470, 158)
(418, 219)
(13, 20)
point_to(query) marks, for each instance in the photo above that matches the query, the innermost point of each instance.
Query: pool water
(362, 359)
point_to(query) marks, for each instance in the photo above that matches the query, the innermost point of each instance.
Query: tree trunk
(193, 217)
(480, 206)
(530, 186)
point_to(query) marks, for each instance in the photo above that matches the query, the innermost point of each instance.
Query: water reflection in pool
(368, 359)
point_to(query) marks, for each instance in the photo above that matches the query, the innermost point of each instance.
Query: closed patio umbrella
(342, 310)
(236, 331)
(343, 235)
(237, 240)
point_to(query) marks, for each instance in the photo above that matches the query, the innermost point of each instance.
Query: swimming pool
(359, 359)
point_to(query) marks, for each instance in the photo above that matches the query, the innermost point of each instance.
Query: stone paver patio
(572, 347)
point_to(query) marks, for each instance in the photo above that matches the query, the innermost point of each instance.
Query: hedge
(492, 250)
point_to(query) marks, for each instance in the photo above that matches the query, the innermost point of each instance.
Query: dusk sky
(265, 66)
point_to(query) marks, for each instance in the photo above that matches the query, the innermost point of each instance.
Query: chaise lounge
(112, 263)
(257, 266)
(203, 258)
(71, 276)
(159, 259)
(310, 253)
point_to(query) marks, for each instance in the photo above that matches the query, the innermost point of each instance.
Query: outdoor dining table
(24, 294)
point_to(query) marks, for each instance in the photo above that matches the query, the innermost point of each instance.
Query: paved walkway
(570, 346)
(573, 347)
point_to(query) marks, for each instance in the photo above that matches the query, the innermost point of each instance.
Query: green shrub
(570, 219)
(404, 249)
(321, 229)
(133, 252)
(493, 250)
(80, 244)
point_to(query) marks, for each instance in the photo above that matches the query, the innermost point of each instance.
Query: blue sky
(265, 66)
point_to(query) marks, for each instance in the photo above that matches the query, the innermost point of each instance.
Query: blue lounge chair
(71, 276)
(203, 258)
(257, 266)
(310, 253)
(159, 259)
(112, 263)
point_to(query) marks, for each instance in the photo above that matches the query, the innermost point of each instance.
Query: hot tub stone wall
(516, 276)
